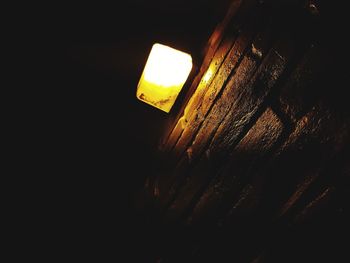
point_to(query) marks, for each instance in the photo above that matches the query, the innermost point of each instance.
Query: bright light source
(164, 75)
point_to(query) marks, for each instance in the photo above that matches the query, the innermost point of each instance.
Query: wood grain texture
(200, 90)
(258, 153)
(248, 99)
(204, 102)
(212, 57)
(300, 91)
(238, 82)
(225, 189)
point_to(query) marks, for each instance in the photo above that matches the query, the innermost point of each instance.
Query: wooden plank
(222, 27)
(315, 205)
(197, 115)
(317, 137)
(264, 79)
(248, 99)
(187, 122)
(194, 122)
(239, 23)
(237, 82)
(330, 173)
(185, 127)
(193, 184)
(246, 157)
(211, 49)
(300, 190)
(201, 88)
(168, 183)
(301, 92)
(242, 205)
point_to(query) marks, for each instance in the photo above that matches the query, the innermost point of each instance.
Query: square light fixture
(163, 77)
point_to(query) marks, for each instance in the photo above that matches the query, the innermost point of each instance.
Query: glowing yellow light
(208, 75)
(164, 75)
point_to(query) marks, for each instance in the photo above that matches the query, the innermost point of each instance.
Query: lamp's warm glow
(208, 75)
(164, 75)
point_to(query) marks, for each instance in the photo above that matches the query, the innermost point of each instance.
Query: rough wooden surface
(243, 161)
(259, 151)
(213, 58)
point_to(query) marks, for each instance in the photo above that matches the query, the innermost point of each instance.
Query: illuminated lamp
(163, 77)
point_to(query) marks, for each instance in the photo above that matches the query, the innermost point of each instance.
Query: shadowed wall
(254, 167)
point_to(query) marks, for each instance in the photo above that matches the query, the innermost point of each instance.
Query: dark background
(100, 141)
